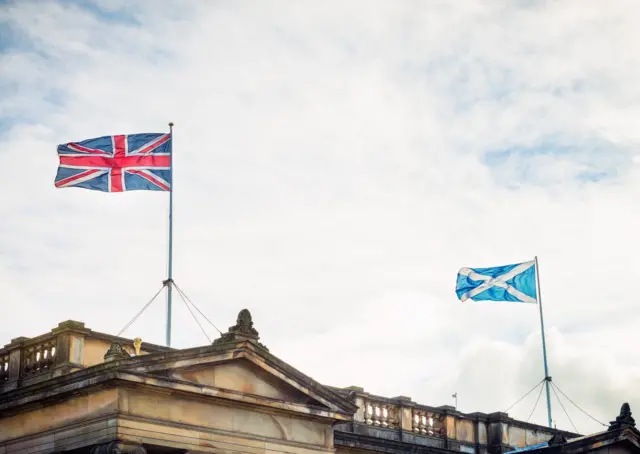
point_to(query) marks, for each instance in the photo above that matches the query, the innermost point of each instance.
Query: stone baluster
(384, 415)
(381, 414)
(368, 413)
(429, 424)
(376, 414)
(48, 355)
(4, 367)
(418, 422)
(39, 358)
(379, 411)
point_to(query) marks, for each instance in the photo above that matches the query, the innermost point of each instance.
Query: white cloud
(331, 176)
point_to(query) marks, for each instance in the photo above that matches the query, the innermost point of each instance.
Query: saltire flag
(117, 163)
(515, 283)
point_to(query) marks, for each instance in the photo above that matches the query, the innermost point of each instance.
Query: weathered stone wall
(44, 422)
(160, 407)
(242, 376)
(520, 437)
(465, 430)
(156, 417)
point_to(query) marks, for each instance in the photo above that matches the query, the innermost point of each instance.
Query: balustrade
(437, 427)
(39, 358)
(387, 413)
(381, 414)
(427, 423)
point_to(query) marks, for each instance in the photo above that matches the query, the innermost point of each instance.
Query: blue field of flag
(514, 283)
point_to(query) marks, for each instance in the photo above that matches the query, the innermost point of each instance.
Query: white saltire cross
(498, 281)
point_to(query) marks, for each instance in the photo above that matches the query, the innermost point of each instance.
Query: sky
(335, 165)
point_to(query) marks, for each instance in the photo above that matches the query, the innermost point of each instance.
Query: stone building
(75, 390)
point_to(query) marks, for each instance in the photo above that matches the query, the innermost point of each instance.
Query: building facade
(75, 390)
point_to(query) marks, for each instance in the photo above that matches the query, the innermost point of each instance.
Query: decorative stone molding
(115, 352)
(624, 419)
(243, 330)
(119, 447)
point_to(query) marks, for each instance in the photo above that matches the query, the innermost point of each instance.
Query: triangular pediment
(243, 376)
(242, 371)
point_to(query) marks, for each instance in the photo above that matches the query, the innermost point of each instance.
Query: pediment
(243, 376)
(242, 372)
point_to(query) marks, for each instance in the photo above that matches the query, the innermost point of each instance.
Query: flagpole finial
(171, 124)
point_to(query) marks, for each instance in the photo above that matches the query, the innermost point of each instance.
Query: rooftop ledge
(71, 346)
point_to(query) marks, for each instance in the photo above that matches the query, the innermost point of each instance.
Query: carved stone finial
(137, 343)
(119, 447)
(244, 324)
(242, 330)
(624, 419)
(115, 352)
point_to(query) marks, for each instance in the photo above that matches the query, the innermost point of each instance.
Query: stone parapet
(66, 348)
(402, 420)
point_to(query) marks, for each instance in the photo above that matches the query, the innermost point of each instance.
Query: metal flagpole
(169, 281)
(547, 378)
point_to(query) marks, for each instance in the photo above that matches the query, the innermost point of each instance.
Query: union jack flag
(117, 163)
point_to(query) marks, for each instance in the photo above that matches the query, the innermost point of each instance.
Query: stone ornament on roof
(116, 351)
(624, 419)
(244, 324)
(241, 331)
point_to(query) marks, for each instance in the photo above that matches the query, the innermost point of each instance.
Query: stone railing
(67, 348)
(381, 414)
(39, 358)
(399, 419)
(399, 413)
(24, 361)
(428, 423)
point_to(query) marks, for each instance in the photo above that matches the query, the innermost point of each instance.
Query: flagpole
(547, 378)
(169, 281)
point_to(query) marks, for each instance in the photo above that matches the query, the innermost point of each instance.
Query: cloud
(335, 165)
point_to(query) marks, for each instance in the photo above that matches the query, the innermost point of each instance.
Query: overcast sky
(336, 163)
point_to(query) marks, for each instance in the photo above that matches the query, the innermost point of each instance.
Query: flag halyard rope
(576, 405)
(519, 400)
(194, 316)
(141, 311)
(537, 400)
(564, 409)
(196, 307)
